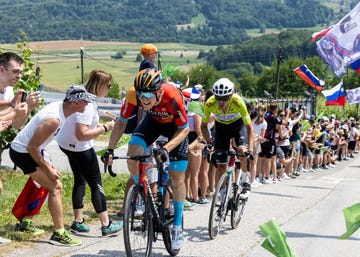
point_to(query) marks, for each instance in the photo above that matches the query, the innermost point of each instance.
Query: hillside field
(60, 61)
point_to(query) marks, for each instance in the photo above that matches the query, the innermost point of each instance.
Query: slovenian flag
(306, 74)
(335, 96)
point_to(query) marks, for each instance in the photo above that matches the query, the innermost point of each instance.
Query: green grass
(14, 181)
(59, 71)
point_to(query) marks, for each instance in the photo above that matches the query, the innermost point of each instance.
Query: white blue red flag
(335, 96)
(340, 47)
(306, 74)
(316, 35)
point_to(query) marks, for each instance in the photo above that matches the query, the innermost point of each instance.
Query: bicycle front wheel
(237, 210)
(218, 207)
(138, 226)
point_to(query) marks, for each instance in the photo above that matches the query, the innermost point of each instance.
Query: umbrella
(352, 220)
(275, 239)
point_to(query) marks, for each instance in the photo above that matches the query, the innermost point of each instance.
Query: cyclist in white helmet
(232, 121)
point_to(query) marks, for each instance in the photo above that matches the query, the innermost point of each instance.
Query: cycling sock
(135, 178)
(178, 213)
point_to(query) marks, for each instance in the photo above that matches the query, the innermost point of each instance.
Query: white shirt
(50, 111)
(259, 127)
(8, 94)
(66, 138)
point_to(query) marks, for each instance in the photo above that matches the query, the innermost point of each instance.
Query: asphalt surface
(308, 209)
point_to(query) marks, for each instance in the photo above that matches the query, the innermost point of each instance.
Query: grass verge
(14, 181)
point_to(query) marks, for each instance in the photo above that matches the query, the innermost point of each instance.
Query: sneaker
(4, 241)
(285, 176)
(79, 227)
(27, 226)
(112, 228)
(266, 181)
(331, 165)
(203, 200)
(352, 156)
(64, 239)
(254, 184)
(188, 205)
(177, 238)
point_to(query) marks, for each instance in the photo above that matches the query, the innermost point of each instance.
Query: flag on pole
(316, 35)
(340, 47)
(306, 74)
(335, 96)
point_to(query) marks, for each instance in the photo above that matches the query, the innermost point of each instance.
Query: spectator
(75, 140)
(148, 52)
(25, 152)
(12, 112)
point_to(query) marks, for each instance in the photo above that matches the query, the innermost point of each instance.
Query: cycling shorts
(225, 132)
(149, 130)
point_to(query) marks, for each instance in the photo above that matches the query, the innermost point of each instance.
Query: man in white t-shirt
(26, 152)
(11, 108)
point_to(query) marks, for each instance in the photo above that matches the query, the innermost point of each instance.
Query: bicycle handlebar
(134, 157)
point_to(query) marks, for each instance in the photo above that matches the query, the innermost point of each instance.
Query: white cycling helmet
(223, 87)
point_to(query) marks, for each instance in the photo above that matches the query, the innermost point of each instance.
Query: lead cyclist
(232, 121)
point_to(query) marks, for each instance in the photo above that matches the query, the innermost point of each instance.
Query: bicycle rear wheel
(138, 226)
(218, 207)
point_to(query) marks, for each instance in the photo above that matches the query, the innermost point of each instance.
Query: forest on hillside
(209, 22)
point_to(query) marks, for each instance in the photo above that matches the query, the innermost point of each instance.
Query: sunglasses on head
(147, 95)
(222, 98)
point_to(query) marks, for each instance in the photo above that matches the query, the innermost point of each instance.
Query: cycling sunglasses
(222, 98)
(147, 95)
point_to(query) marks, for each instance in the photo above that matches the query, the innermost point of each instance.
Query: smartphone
(23, 97)
(300, 107)
(40, 87)
(286, 105)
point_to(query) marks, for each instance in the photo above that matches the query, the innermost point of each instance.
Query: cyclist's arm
(179, 136)
(205, 132)
(117, 133)
(251, 136)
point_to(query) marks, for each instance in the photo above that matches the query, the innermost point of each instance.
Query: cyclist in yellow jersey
(232, 121)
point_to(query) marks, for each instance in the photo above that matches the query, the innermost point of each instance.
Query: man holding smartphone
(12, 111)
(11, 106)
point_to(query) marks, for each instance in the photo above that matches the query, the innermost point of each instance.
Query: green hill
(208, 22)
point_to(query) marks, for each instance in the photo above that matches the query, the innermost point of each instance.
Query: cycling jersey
(236, 110)
(170, 108)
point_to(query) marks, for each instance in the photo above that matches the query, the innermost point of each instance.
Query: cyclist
(166, 116)
(232, 120)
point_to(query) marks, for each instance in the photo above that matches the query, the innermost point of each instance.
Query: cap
(351, 118)
(337, 122)
(333, 116)
(191, 93)
(148, 49)
(76, 93)
(324, 118)
(345, 127)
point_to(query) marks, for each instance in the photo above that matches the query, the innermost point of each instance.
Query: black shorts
(351, 145)
(24, 161)
(268, 149)
(225, 132)
(149, 130)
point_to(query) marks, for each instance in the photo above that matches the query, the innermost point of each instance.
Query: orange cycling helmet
(147, 80)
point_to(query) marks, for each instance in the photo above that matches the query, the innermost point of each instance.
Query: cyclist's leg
(222, 145)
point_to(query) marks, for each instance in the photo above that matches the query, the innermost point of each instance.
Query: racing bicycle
(145, 214)
(227, 197)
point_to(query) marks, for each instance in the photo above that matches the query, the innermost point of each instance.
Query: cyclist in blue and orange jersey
(232, 120)
(165, 116)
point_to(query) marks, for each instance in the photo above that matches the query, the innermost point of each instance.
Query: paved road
(308, 209)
